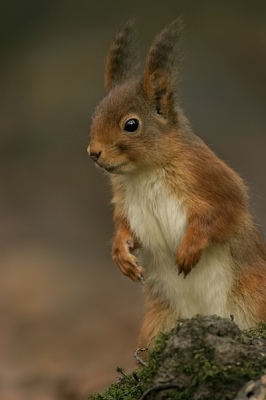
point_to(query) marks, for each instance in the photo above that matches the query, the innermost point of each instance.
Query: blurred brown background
(67, 315)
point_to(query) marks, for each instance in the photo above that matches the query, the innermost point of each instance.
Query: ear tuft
(161, 70)
(122, 57)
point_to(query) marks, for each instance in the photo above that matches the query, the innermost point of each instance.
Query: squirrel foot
(187, 258)
(127, 262)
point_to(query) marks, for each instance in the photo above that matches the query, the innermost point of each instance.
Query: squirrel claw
(127, 262)
(141, 279)
(185, 271)
(186, 261)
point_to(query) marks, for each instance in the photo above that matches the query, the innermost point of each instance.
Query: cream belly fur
(159, 221)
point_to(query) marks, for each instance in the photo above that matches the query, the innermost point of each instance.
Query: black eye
(132, 125)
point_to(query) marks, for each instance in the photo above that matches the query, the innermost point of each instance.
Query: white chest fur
(159, 220)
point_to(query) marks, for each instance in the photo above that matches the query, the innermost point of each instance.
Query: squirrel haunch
(178, 209)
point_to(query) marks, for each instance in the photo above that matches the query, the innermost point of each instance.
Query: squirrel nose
(95, 156)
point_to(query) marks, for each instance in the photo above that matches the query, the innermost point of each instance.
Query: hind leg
(159, 317)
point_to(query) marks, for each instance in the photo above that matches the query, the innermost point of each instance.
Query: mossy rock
(201, 358)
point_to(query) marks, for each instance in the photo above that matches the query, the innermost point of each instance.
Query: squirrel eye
(132, 125)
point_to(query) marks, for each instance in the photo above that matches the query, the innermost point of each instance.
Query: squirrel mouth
(110, 168)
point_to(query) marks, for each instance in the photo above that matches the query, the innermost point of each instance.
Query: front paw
(127, 262)
(187, 258)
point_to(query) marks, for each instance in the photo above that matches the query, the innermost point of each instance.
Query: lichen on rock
(201, 358)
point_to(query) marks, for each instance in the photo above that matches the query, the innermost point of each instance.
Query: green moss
(126, 388)
(197, 364)
(132, 386)
(259, 332)
(154, 360)
(204, 373)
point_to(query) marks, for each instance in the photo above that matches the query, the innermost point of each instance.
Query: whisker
(83, 136)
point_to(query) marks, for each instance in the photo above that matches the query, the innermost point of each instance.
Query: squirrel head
(131, 125)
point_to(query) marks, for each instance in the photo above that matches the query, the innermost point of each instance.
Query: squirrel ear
(160, 72)
(122, 58)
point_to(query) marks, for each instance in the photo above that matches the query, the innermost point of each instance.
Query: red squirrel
(179, 211)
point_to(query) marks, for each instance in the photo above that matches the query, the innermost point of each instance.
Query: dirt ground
(67, 315)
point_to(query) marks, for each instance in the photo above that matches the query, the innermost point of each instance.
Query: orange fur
(249, 293)
(158, 318)
(174, 199)
(124, 242)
